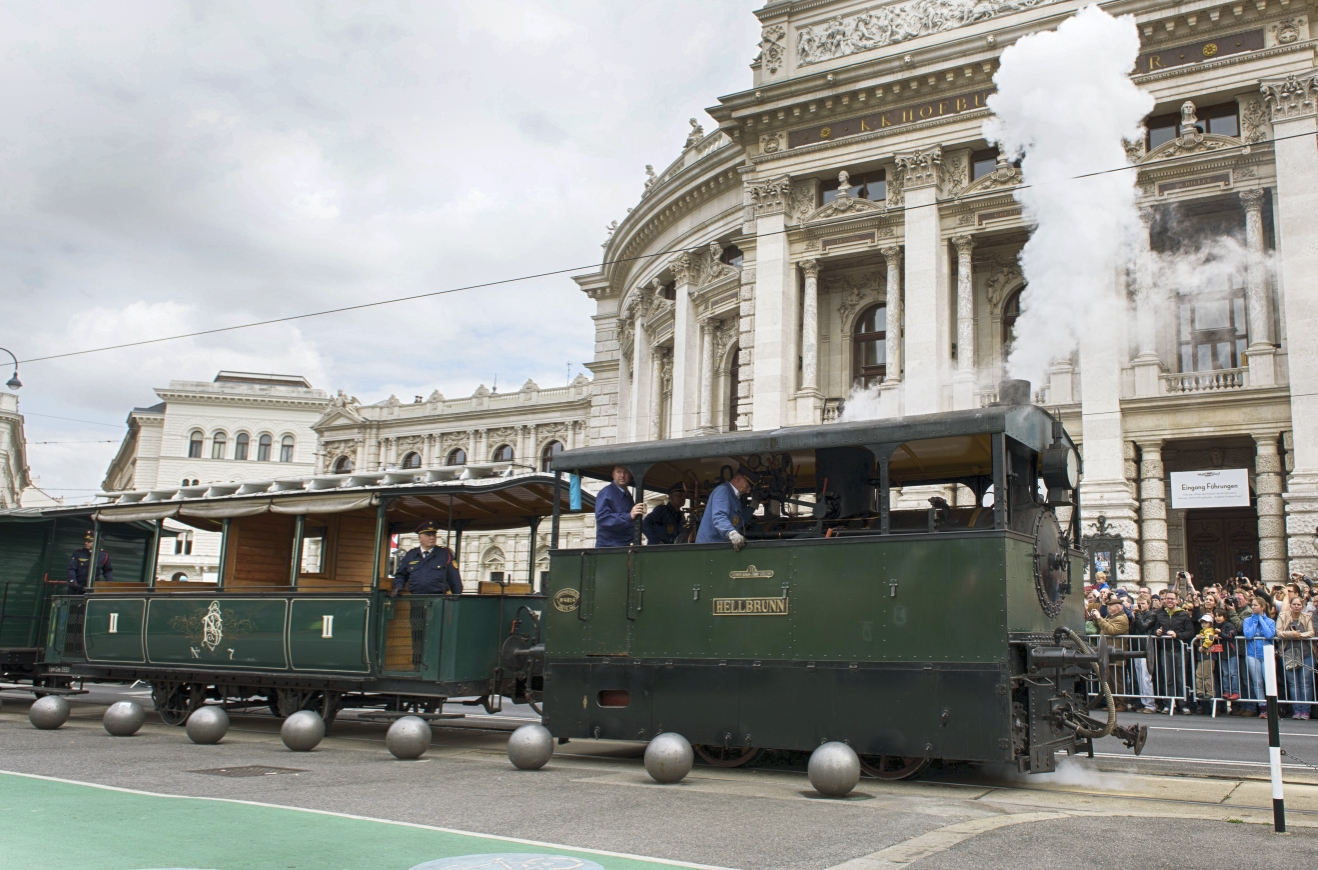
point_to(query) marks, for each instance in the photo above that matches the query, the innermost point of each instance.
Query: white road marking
(939, 840)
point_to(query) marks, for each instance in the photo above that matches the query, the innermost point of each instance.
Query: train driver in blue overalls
(429, 568)
(79, 562)
(725, 517)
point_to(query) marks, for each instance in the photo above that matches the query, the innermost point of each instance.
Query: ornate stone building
(14, 476)
(848, 225)
(488, 432)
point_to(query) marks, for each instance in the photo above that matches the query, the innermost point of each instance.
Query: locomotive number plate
(566, 600)
(750, 606)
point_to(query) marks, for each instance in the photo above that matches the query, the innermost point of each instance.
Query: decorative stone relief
(711, 268)
(953, 175)
(1134, 149)
(844, 204)
(452, 440)
(920, 167)
(896, 190)
(858, 290)
(682, 268)
(770, 197)
(1002, 275)
(1289, 30)
(803, 200)
(650, 178)
(1003, 175)
(1290, 97)
(1253, 121)
(343, 400)
(772, 52)
(898, 22)
(772, 143)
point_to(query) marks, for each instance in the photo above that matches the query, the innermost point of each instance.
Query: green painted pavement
(72, 826)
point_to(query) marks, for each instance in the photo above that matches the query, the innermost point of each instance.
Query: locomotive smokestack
(1014, 392)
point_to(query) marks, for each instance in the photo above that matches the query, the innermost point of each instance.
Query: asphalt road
(595, 795)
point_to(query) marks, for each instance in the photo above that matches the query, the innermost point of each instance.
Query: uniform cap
(428, 526)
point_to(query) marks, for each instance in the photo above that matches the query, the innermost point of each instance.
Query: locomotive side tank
(941, 632)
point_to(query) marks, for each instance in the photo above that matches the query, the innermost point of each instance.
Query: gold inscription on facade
(1222, 46)
(894, 117)
(750, 607)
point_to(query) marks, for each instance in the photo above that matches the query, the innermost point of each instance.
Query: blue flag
(574, 491)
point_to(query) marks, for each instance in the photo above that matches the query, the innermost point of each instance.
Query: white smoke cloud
(1065, 102)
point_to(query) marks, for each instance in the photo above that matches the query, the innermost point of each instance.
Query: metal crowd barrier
(1173, 672)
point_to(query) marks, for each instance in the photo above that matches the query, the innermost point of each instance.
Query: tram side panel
(23, 596)
(898, 645)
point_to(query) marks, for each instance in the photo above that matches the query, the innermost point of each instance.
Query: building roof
(227, 377)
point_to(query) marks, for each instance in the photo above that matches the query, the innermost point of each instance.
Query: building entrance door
(1220, 542)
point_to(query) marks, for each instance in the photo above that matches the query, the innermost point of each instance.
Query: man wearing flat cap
(725, 518)
(80, 562)
(427, 569)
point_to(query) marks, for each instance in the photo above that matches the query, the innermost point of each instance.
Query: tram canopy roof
(927, 447)
(478, 504)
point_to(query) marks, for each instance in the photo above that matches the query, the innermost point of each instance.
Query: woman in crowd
(1295, 628)
(1257, 629)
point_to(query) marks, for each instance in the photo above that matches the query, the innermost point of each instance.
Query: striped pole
(1274, 738)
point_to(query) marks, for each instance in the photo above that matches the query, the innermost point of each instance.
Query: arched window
(286, 449)
(179, 577)
(1011, 310)
(457, 456)
(240, 445)
(869, 339)
(412, 460)
(504, 453)
(263, 445)
(493, 563)
(552, 449)
(343, 465)
(194, 445)
(219, 441)
(734, 380)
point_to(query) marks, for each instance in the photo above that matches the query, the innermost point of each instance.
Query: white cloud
(166, 167)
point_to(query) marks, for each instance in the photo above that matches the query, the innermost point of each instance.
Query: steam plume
(1065, 101)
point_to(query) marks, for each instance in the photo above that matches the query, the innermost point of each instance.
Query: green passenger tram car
(943, 632)
(301, 615)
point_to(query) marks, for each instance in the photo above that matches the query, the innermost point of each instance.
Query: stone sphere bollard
(530, 747)
(48, 713)
(669, 757)
(207, 725)
(834, 769)
(302, 731)
(123, 718)
(408, 737)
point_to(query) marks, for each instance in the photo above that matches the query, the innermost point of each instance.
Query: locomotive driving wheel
(286, 702)
(892, 767)
(176, 701)
(726, 756)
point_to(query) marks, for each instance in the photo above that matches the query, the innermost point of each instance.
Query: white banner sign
(1226, 487)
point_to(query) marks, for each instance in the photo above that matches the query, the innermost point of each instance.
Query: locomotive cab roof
(927, 448)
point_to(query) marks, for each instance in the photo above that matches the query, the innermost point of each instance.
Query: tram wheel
(893, 767)
(726, 756)
(176, 701)
(290, 701)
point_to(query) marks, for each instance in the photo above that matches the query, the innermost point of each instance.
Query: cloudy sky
(173, 166)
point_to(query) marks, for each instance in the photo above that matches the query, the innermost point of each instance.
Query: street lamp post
(13, 383)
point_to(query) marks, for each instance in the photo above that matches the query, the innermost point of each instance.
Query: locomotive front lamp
(13, 383)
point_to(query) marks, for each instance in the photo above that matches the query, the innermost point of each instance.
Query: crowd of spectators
(1205, 643)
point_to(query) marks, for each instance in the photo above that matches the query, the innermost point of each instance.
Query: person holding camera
(1295, 628)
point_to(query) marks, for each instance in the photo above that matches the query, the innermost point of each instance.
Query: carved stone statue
(1188, 119)
(611, 227)
(697, 133)
(650, 178)
(843, 184)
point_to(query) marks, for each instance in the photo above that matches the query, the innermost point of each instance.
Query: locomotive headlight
(1060, 467)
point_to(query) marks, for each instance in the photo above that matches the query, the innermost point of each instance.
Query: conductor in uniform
(427, 569)
(725, 517)
(664, 524)
(79, 563)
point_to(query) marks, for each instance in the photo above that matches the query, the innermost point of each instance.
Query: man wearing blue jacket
(616, 512)
(725, 518)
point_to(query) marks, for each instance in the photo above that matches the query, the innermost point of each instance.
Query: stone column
(775, 305)
(1153, 517)
(656, 393)
(809, 399)
(926, 294)
(707, 327)
(1271, 509)
(1293, 104)
(642, 380)
(964, 382)
(1262, 350)
(686, 351)
(893, 369)
(1148, 367)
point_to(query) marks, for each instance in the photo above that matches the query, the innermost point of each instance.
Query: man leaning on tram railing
(80, 560)
(427, 569)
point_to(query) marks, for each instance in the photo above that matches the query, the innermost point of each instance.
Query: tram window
(263, 445)
(286, 449)
(504, 453)
(313, 550)
(412, 460)
(552, 449)
(456, 457)
(194, 446)
(218, 443)
(240, 445)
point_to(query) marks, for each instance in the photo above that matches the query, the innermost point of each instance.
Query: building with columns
(14, 475)
(487, 431)
(847, 226)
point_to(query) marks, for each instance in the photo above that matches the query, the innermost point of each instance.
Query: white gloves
(738, 540)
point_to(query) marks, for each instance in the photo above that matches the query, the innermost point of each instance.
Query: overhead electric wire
(73, 419)
(503, 281)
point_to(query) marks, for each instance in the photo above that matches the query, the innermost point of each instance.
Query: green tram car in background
(942, 633)
(300, 616)
(948, 632)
